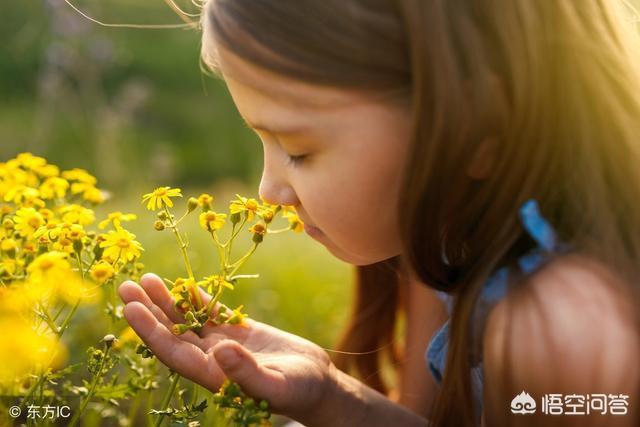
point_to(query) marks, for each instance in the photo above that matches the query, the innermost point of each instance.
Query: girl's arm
(295, 375)
(425, 313)
(351, 403)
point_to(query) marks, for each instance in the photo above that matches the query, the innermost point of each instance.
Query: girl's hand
(293, 374)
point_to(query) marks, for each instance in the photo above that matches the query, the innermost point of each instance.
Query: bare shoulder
(571, 328)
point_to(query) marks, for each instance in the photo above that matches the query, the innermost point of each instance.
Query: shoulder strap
(537, 226)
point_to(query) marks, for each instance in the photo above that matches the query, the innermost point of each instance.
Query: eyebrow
(283, 130)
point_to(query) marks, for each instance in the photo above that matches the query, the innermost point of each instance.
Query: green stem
(233, 235)
(236, 265)
(279, 230)
(32, 389)
(230, 241)
(183, 246)
(214, 300)
(185, 256)
(80, 266)
(47, 319)
(167, 397)
(96, 378)
(221, 251)
(67, 319)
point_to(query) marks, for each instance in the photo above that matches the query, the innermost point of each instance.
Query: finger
(181, 356)
(130, 291)
(239, 365)
(159, 294)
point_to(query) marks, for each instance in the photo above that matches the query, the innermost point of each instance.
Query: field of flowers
(68, 356)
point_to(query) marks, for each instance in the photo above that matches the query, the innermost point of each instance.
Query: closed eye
(296, 160)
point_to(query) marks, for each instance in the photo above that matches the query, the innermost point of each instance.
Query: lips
(312, 231)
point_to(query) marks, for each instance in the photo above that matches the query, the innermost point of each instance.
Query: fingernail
(227, 357)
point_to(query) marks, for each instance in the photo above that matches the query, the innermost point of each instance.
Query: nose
(274, 186)
(277, 192)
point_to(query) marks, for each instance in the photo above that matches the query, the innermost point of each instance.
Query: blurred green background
(133, 107)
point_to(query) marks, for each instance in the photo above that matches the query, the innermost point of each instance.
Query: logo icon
(523, 404)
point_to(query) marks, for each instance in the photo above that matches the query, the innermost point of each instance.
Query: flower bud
(267, 216)
(235, 218)
(189, 316)
(179, 329)
(158, 225)
(8, 224)
(98, 251)
(109, 340)
(77, 246)
(162, 216)
(9, 246)
(192, 204)
(258, 230)
(205, 200)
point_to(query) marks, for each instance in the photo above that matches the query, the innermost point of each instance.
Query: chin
(358, 260)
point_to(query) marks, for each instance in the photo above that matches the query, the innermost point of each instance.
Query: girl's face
(335, 155)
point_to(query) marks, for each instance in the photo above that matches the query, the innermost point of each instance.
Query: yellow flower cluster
(257, 216)
(50, 261)
(22, 348)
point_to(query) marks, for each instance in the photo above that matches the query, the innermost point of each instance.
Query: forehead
(252, 83)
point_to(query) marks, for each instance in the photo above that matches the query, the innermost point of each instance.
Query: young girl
(491, 149)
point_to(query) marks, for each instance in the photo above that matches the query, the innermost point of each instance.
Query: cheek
(355, 205)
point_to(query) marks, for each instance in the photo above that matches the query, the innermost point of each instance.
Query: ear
(484, 159)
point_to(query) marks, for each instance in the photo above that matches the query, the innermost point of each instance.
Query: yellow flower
(48, 265)
(160, 197)
(50, 276)
(127, 335)
(64, 236)
(116, 218)
(47, 214)
(205, 201)
(102, 271)
(267, 212)
(258, 230)
(295, 222)
(237, 316)
(242, 204)
(79, 175)
(213, 283)
(74, 232)
(48, 232)
(47, 171)
(23, 350)
(121, 244)
(8, 267)
(29, 161)
(76, 214)
(212, 221)
(8, 245)
(182, 292)
(27, 221)
(93, 195)
(22, 194)
(54, 188)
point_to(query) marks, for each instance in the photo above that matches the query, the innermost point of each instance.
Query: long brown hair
(554, 85)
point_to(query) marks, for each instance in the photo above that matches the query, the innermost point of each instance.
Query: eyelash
(296, 160)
